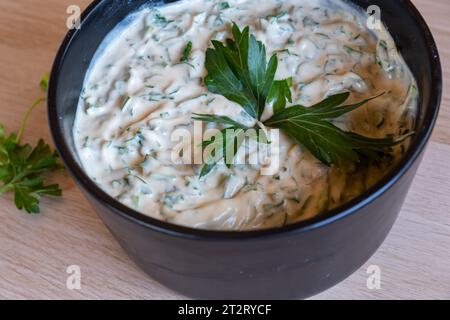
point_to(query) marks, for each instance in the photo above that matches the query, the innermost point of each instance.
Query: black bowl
(296, 261)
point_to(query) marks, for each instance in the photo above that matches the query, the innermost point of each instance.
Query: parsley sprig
(23, 168)
(238, 70)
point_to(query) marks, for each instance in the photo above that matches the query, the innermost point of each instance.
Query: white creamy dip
(137, 93)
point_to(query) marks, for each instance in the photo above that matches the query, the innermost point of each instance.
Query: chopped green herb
(309, 22)
(224, 5)
(160, 19)
(351, 50)
(135, 200)
(186, 52)
(125, 101)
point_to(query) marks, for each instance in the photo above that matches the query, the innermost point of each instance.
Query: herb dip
(139, 89)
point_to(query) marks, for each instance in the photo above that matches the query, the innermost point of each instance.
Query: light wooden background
(35, 251)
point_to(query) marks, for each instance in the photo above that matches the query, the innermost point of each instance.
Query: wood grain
(36, 251)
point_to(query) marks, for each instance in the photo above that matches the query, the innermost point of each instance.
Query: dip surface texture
(138, 91)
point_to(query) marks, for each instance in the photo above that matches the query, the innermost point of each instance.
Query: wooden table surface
(35, 251)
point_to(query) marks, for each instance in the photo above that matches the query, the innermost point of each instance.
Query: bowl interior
(403, 21)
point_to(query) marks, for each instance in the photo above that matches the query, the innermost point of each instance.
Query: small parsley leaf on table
(23, 168)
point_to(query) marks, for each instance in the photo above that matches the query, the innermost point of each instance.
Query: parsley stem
(5, 189)
(26, 116)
